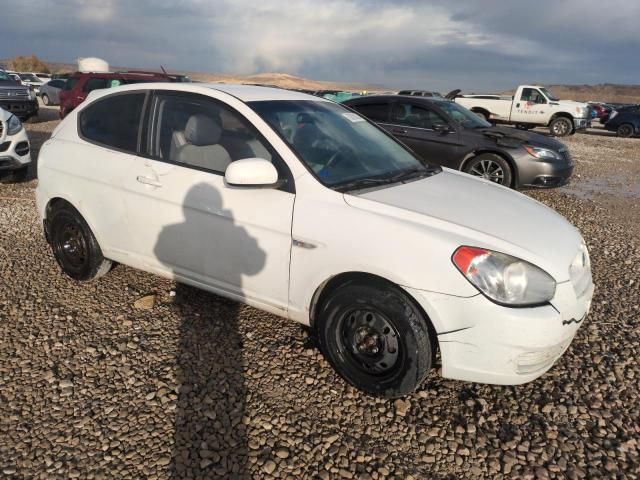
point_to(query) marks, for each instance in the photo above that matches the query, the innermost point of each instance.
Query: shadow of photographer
(210, 439)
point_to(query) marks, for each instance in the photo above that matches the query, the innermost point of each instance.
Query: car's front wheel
(74, 246)
(491, 167)
(45, 99)
(625, 130)
(376, 338)
(561, 127)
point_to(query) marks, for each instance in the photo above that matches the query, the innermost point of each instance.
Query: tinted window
(378, 112)
(196, 131)
(56, 83)
(415, 116)
(532, 95)
(71, 82)
(94, 84)
(114, 121)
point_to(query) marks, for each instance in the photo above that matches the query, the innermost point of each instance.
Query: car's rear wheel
(74, 246)
(376, 339)
(625, 130)
(482, 114)
(561, 127)
(45, 99)
(491, 167)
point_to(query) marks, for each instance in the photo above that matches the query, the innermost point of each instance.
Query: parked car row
(304, 208)
(443, 132)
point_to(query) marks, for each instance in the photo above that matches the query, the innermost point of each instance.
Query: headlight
(542, 153)
(14, 125)
(32, 94)
(504, 279)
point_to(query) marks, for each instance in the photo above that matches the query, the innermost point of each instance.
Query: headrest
(202, 130)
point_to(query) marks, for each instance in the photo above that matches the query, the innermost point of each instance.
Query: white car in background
(15, 154)
(300, 207)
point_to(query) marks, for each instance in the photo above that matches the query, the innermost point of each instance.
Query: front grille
(14, 94)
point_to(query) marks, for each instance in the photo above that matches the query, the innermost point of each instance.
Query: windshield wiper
(398, 177)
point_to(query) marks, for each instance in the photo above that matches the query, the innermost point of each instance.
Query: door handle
(399, 130)
(148, 181)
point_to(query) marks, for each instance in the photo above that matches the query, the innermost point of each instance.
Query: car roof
(413, 98)
(245, 93)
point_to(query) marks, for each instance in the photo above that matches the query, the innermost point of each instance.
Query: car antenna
(164, 71)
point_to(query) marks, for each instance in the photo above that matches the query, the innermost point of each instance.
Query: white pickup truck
(531, 106)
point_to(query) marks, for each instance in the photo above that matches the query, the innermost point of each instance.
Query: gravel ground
(136, 377)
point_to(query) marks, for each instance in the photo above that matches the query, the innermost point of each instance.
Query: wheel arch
(481, 110)
(561, 114)
(515, 181)
(330, 285)
(61, 200)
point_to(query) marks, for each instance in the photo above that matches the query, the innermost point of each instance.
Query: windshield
(29, 77)
(4, 77)
(549, 95)
(462, 116)
(339, 146)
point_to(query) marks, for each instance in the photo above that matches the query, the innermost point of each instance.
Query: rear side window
(377, 112)
(113, 121)
(56, 83)
(71, 82)
(95, 84)
(415, 116)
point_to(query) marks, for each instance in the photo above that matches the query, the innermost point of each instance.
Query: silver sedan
(50, 90)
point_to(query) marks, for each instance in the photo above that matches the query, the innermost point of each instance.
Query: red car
(80, 84)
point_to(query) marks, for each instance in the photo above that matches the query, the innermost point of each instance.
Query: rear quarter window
(113, 121)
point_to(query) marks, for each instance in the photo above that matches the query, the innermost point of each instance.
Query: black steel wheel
(561, 127)
(376, 338)
(491, 167)
(625, 130)
(74, 245)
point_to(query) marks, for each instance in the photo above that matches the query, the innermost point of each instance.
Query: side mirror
(252, 172)
(441, 127)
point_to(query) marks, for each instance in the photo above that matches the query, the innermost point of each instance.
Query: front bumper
(22, 109)
(481, 341)
(536, 173)
(15, 151)
(581, 123)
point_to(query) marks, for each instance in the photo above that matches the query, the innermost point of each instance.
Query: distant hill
(283, 80)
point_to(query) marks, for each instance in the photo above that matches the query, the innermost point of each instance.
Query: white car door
(530, 107)
(186, 222)
(109, 133)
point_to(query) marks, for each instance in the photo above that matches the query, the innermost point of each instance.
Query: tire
(482, 114)
(561, 127)
(74, 246)
(625, 130)
(45, 99)
(376, 338)
(16, 176)
(491, 167)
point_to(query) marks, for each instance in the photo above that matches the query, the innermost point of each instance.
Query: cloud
(493, 44)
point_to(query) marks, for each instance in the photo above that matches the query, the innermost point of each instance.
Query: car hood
(479, 213)
(511, 137)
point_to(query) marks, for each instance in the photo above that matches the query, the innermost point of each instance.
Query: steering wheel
(334, 159)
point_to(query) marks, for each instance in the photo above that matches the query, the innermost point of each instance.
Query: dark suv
(79, 85)
(445, 133)
(16, 98)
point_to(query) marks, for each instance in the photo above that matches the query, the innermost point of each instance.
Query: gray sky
(470, 44)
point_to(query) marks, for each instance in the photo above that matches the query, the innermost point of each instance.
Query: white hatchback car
(15, 153)
(300, 207)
